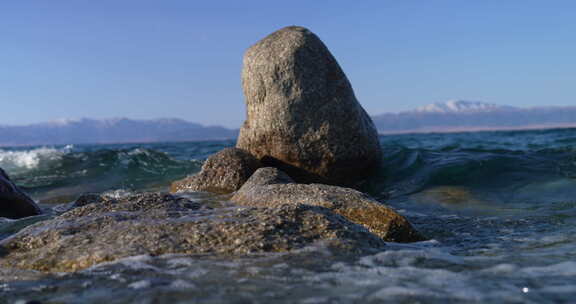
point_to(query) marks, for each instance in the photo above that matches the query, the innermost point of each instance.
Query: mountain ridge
(461, 106)
(459, 116)
(112, 130)
(450, 116)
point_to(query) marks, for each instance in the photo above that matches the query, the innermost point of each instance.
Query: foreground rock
(154, 223)
(223, 172)
(302, 115)
(269, 187)
(14, 203)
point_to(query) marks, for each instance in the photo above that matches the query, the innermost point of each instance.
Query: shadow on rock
(14, 203)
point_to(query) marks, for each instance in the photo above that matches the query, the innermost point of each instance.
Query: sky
(146, 59)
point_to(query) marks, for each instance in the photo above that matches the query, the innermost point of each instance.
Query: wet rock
(449, 195)
(155, 224)
(270, 187)
(88, 198)
(223, 172)
(13, 274)
(13, 202)
(302, 114)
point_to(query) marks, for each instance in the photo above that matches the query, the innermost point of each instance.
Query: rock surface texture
(269, 187)
(14, 203)
(223, 172)
(155, 223)
(302, 114)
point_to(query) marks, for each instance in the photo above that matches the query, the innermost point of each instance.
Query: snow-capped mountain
(115, 130)
(461, 115)
(461, 106)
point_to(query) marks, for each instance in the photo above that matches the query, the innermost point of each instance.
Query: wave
(501, 176)
(19, 161)
(505, 141)
(61, 174)
(507, 166)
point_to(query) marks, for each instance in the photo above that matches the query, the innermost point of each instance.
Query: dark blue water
(499, 208)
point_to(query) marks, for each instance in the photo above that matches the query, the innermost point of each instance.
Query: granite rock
(14, 203)
(154, 223)
(302, 114)
(270, 187)
(223, 172)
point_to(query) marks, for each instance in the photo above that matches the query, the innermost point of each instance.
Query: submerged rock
(448, 195)
(223, 172)
(269, 187)
(302, 114)
(155, 224)
(14, 203)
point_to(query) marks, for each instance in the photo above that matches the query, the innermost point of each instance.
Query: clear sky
(182, 58)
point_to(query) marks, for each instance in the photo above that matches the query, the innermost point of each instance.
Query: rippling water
(499, 209)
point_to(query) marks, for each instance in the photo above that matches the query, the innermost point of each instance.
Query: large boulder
(302, 114)
(223, 172)
(14, 203)
(105, 229)
(269, 187)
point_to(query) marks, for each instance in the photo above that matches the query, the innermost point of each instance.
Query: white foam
(118, 193)
(136, 262)
(182, 285)
(567, 268)
(558, 289)
(30, 159)
(501, 269)
(388, 292)
(140, 284)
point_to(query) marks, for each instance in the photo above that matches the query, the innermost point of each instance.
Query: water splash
(19, 161)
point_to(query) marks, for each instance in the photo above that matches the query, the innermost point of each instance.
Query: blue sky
(182, 58)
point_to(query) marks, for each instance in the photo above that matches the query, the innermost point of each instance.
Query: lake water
(499, 209)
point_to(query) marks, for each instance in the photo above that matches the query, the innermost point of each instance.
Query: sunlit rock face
(223, 172)
(269, 187)
(302, 114)
(106, 229)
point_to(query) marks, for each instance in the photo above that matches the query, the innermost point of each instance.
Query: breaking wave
(22, 160)
(60, 174)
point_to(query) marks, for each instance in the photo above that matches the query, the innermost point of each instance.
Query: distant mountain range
(460, 115)
(451, 116)
(118, 130)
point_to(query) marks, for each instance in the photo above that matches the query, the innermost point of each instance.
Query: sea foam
(23, 160)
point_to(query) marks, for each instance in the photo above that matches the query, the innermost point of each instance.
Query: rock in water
(302, 115)
(106, 229)
(269, 187)
(13, 202)
(223, 172)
